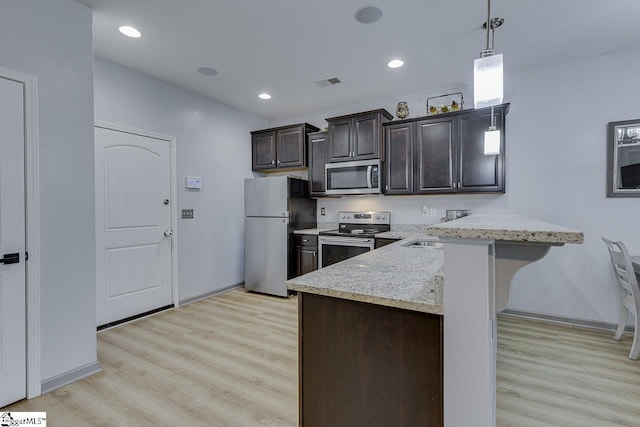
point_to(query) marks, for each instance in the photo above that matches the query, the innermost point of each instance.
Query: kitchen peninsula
(374, 347)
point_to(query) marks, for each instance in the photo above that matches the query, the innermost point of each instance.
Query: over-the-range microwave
(359, 177)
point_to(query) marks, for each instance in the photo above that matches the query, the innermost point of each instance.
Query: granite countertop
(321, 226)
(398, 231)
(313, 231)
(393, 276)
(505, 227)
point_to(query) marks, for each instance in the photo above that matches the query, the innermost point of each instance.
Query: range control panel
(364, 217)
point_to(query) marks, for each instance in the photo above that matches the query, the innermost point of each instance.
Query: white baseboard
(210, 294)
(70, 376)
(567, 320)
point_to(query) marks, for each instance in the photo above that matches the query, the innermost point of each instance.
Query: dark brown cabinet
(380, 242)
(280, 148)
(398, 165)
(366, 365)
(356, 136)
(444, 154)
(317, 145)
(306, 253)
(479, 172)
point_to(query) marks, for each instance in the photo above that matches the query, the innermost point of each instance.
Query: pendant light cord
(488, 22)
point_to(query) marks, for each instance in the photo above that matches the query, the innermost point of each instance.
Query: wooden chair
(628, 289)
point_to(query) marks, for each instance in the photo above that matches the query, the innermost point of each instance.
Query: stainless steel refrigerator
(274, 207)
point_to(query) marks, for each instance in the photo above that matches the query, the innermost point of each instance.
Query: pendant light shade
(487, 81)
(492, 141)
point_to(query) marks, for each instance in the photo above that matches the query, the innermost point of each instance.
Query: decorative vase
(402, 110)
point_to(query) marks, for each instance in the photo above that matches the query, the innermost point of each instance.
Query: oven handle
(324, 239)
(369, 176)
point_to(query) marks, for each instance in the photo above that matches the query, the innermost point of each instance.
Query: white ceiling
(284, 46)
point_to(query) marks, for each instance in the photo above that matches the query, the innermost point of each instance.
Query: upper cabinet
(356, 136)
(444, 154)
(280, 148)
(317, 146)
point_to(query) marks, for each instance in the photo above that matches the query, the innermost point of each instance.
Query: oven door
(336, 249)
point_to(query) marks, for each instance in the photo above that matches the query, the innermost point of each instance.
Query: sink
(424, 243)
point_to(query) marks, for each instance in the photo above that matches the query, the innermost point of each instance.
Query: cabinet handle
(387, 188)
(305, 240)
(278, 161)
(273, 162)
(314, 253)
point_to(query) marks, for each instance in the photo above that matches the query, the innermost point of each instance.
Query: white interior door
(133, 224)
(13, 371)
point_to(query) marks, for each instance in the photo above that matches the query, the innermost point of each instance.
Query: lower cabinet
(444, 154)
(306, 253)
(380, 242)
(366, 365)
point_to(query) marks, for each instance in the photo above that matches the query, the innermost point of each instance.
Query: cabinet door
(317, 161)
(340, 149)
(479, 172)
(434, 156)
(290, 147)
(307, 259)
(263, 150)
(384, 242)
(398, 166)
(366, 137)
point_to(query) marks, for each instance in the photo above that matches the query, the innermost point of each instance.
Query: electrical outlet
(425, 211)
(323, 212)
(187, 213)
(432, 212)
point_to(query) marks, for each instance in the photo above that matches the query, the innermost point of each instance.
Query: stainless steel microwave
(359, 177)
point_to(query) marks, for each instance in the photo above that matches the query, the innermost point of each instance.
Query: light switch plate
(187, 213)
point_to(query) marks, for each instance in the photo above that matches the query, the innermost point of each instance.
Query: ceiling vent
(329, 82)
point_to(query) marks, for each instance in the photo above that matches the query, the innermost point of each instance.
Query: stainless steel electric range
(355, 235)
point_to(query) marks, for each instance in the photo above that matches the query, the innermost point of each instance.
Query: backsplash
(410, 209)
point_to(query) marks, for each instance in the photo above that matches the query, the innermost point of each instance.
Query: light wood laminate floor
(231, 360)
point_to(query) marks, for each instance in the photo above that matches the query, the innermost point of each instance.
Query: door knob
(10, 258)
(168, 233)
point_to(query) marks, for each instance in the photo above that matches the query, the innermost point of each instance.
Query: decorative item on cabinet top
(402, 110)
(447, 103)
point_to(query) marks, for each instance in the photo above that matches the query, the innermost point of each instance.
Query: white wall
(556, 172)
(51, 39)
(213, 142)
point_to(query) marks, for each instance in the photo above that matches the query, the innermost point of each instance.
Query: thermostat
(194, 182)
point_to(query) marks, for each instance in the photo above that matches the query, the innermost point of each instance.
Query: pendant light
(492, 138)
(487, 83)
(487, 70)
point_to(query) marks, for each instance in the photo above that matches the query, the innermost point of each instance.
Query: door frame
(32, 225)
(173, 194)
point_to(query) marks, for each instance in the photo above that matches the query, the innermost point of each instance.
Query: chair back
(623, 268)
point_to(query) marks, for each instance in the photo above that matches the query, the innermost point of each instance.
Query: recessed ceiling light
(395, 63)
(208, 71)
(368, 14)
(130, 31)
(264, 96)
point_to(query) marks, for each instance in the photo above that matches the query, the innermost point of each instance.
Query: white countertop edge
(505, 227)
(422, 307)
